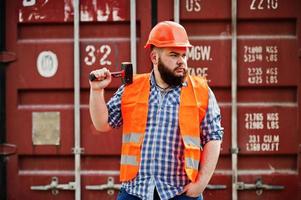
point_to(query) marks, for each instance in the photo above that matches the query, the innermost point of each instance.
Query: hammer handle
(117, 74)
(92, 77)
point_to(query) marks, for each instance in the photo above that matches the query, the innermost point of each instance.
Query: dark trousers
(123, 195)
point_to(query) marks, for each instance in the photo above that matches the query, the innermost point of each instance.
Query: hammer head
(127, 67)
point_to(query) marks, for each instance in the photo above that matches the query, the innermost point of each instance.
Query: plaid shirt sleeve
(114, 109)
(211, 125)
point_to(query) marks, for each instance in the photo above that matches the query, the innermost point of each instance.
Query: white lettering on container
(90, 58)
(199, 53)
(257, 121)
(255, 75)
(261, 54)
(273, 121)
(105, 50)
(266, 143)
(264, 5)
(260, 121)
(254, 121)
(92, 55)
(198, 71)
(193, 5)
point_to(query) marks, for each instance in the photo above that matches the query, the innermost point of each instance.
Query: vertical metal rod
(176, 11)
(76, 149)
(234, 99)
(133, 36)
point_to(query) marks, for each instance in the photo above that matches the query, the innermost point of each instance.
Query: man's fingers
(184, 190)
(101, 74)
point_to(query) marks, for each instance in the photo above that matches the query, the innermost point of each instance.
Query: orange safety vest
(134, 108)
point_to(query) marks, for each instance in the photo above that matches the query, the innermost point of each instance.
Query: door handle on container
(258, 186)
(54, 186)
(216, 187)
(110, 186)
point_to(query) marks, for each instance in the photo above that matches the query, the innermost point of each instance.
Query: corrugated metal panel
(40, 94)
(268, 87)
(40, 85)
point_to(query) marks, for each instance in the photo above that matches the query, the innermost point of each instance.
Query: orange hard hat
(168, 34)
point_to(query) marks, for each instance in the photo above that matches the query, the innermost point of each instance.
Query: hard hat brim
(167, 45)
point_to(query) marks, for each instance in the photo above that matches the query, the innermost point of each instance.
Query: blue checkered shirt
(162, 157)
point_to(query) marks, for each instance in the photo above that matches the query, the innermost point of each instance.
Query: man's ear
(154, 56)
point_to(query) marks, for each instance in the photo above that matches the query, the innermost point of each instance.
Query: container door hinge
(7, 149)
(7, 57)
(110, 186)
(258, 186)
(234, 150)
(54, 186)
(78, 150)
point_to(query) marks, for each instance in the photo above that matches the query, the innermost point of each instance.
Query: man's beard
(168, 75)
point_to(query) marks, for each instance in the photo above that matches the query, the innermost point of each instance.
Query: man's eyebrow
(176, 52)
(173, 52)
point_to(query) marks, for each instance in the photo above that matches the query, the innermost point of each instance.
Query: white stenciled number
(264, 4)
(272, 4)
(29, 2)
(193, 5)
(90, 58)
(93, 54)
(105, 50)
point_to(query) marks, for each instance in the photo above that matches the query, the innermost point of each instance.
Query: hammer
(126, 73)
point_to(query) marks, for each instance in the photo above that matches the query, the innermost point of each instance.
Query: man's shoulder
(138, 82)
(140, 76)
(199, 80)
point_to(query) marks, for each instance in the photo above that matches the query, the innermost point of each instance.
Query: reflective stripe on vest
(191, 163)
(132, 137)
(129, 160)
(192, 141)
(134, 108)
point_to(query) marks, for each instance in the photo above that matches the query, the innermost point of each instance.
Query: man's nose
(181, 60)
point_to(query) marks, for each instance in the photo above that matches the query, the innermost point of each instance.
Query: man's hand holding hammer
(102, 79)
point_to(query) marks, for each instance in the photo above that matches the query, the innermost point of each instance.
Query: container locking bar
(258, 186)
(110, 186)
(216, 187)
(54, 186)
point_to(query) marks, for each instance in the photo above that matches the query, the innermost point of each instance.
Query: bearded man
(171, 122)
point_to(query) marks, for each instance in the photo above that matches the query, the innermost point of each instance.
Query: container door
(268, 103)
(268, 90)
(108, 43)
(40, 94)
(208, 24)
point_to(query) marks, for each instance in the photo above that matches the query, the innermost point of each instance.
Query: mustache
(181, 67)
